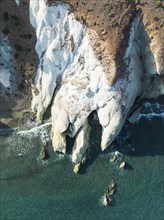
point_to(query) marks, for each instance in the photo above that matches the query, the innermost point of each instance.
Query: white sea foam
(35, 129)
(151, 110)
(44, 162)
(20, 143)
(18, 146)
(42, 131)
(150, 116)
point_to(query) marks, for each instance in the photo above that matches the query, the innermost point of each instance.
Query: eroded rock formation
(72, 74)
(85, 66)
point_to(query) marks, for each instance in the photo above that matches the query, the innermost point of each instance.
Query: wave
(151, 110)
(43, 131)
(35, 130)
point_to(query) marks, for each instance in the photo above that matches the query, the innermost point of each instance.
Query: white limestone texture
(72, 78)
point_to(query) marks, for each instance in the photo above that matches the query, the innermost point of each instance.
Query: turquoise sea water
(33, 190)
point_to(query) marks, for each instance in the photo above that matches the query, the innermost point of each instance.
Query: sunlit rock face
(72, 78)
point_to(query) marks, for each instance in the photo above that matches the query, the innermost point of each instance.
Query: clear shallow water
(32, 190)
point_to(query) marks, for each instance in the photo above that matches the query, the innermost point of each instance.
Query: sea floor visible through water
(34, 190)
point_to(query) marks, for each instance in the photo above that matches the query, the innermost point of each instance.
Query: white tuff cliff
(72, 78)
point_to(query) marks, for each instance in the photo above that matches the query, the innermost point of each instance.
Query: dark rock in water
(111, 191)
(108, 196)
(42, 154)
(113, 185)
(107, 199)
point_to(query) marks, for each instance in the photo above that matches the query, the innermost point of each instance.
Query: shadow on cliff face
(95, 140)
(147, 50)
(153, 79)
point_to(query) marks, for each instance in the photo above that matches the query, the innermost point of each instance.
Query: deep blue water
(32, 190)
